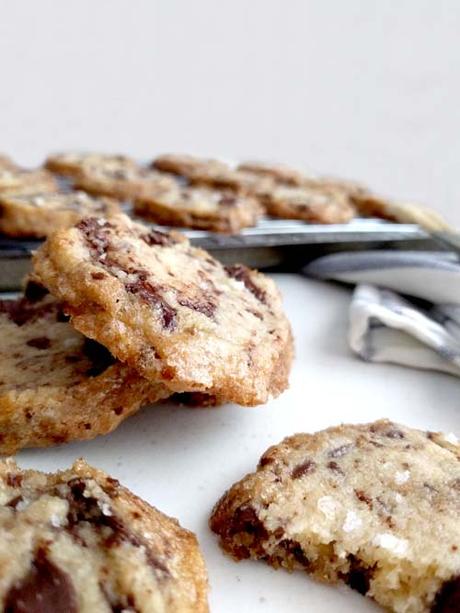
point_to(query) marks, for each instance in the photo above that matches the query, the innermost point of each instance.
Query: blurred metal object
(282, 245)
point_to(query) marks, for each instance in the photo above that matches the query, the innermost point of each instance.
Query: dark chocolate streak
(83, 508)
(45, 588)
(448, 598)
(100, 357)
(150, 294)
(306, 468)
(206, 307)
(22, 311)
(359, 576)
(242, 273)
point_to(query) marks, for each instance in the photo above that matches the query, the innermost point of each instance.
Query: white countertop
(182, 460)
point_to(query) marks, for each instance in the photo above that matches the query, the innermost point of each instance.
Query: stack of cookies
(126, 316)
(185, 191)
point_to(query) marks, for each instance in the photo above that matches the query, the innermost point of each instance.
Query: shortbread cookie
(204, 208)
(36, 215)
(375, 505)
(170, 310)
(311, 204)
(56, 385)
(114, 178)
(76, 541)
(70, 163)
(18, 180)
(279, 172)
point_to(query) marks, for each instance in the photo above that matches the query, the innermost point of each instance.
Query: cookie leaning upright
(170, 310)
(373, 505)
(77, 541)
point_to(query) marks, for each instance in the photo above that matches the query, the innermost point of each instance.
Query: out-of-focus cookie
(69, 164)
(170, 310)
(21, 181)
(115, 178)
(39, 214)
(77, 541)
(375, 506)
(56, 385)
(6, 163)
(313, 204)
(199, 207)
(279, 172)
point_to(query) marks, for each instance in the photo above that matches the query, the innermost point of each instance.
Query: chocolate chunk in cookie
(199, 207)
(375, 506)
(170, 310)
(56, 385)
(77, 541)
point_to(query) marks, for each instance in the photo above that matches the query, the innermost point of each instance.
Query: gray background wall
(363, 89)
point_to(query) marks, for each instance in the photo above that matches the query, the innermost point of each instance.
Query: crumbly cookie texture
(314, 204)
(21, 181)
(39, 214)
(170, 310)
(70, 163)
(200, 207)
(375, 506)
(76, 541)
(56, 385)
(116, 178)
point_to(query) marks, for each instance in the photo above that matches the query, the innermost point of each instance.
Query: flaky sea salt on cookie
(77, 541)
(170, 310)
(376, 506)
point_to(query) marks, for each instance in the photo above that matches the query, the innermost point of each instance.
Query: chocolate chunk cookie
(313, 204)
(56, 385)
(279, 172)
(69, 164)
(375, 506)
(204, 208)
(116, 178)
(37, 215)
(77, 541)
(170, 310)
(21, 181)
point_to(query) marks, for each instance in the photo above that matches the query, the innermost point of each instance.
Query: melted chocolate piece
(155, 237)
(362, 497)
(242, 273)
(23, 311)
(41, 342)
(149, 293)
(45, 588)
(35, 291)
(448, 597)
(206, 307)
(13, 480)
(294, 549)
(86, 508)
(359, 576)
(306, 468)
(95, 234)
(100, 357)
